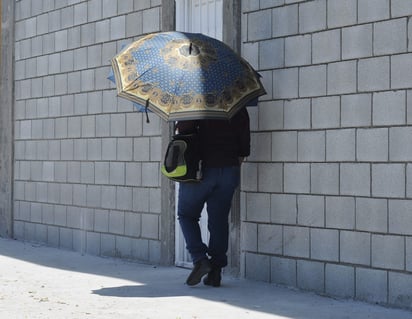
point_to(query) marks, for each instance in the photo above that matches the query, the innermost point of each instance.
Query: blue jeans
(216, 190)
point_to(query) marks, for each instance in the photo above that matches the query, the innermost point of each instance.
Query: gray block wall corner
(327, 192)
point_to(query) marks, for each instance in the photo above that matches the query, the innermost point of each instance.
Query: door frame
(231, 35)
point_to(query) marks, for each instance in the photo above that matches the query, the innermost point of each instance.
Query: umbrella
(139, 107)
(183, 76)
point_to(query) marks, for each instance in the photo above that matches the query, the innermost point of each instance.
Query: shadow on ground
(148, 281)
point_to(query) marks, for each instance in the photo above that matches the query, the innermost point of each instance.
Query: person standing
(223, 146)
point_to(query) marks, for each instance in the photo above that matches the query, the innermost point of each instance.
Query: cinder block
(409, 102)
(296, 241)
(270, 239)
(53, 236)
(66, 194)
(79, 194)
(355, 179)
(400, 8)
(372, 215)
(124, 246)
(87, 172)
(355, 247)
(371, 285)
(257, 30)
(356, 110)
(285, 20)
(388, 180)
(311, 275)
(108, 197)
(117, 125)
(390, 37)
(283, 271)
(324, 178)
(400, 290)
(373, 74)
(101, 220)
(388, 252)
(73, 38)
(150, 174)
(409, 180)
(400, 77)
(297, 114)
(340, 212)
(93, 243)
(249, 237)
(116, 222)
(150, 229)
(285, 83)
(140, 144)
(311, 210)
(283, 209)
(93, 194)
(260, 148)
(312, 16)
(311, 146)
(309, 87)
(124, 198)
(272, 53)
(80, 13)
(257, 267)
(372, 145)
(151, 20)
(132, 224)
(342, 77)
(341, 13)
(60, 42)
(372, 10)
(140, 200)
(389, 108)
(133, 124)
(284, 146)
(134, 25)
(60, 215)
(298, 50)
(340, 145)
(340, 281)
(108, 246)
(258, 207)
(326, 46)
(87, 78)
(249, 173)
(400, 219)
(140, 249)
(408, 254)
(296, 178)
(270, 177)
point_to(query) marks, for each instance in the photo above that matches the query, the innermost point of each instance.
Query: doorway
(196, 16)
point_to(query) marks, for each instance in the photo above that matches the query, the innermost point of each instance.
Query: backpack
(182, 161)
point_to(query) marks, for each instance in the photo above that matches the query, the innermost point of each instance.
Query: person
(223, 146)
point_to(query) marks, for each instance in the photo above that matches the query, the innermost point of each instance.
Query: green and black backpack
(182, 161)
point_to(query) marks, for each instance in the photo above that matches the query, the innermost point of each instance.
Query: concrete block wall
(326, 192)
(86, 164)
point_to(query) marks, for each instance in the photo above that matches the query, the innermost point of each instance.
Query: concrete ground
(43, 282)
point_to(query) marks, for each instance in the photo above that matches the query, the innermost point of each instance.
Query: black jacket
(222, 142)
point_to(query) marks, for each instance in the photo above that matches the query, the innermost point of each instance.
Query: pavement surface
(43, 282)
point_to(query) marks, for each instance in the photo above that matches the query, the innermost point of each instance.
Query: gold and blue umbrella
(184, 76)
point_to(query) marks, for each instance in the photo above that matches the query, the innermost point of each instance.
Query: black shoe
(200, 269)
(213, 278)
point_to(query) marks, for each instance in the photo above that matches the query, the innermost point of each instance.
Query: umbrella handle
(145, 110)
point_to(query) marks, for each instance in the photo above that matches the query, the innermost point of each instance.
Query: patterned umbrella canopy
(182, 76)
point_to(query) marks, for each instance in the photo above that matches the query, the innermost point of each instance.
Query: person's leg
(218, 208)
(191, 200)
